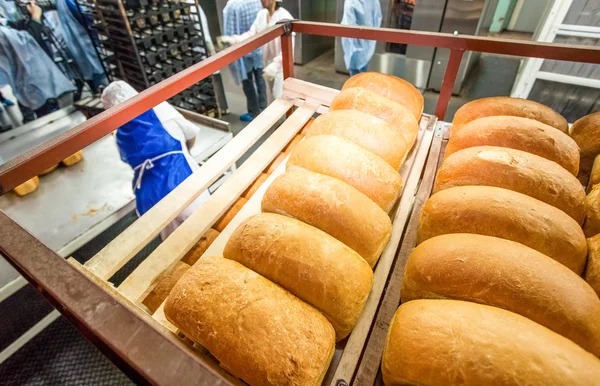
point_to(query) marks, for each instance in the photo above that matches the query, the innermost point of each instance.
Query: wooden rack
(301, 100)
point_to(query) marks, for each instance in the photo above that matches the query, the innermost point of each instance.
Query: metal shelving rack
(146, 41)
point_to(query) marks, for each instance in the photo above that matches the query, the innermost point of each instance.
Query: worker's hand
(35, 11)
(271, 71)
(225, 41)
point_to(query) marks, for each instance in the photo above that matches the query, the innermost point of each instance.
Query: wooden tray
(301, 100)
(368, 372)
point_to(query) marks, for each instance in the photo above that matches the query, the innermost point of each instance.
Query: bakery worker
(79, 43)
(271, 14)
(155, 144)
(238, 16)
(358, 52)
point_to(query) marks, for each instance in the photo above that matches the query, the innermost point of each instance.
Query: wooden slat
(252, 207)
(119, 251)
(159, 316)
(371, 359)
(140, 282)
(354, 346)
(313, 93)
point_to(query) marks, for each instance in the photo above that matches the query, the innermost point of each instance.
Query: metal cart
(145, 346)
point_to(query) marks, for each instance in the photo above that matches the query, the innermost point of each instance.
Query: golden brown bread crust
(255, 185)
(486, 107)
(509, 275)
(595, 174)
(592, 269)
(230, 214)
(591, 227)
(342, 159)
(260, 332)
(27, 187)
(450, 342)
(505, 214)
(586, 132)
(518, 133)
(73, 158)
(367, 101)
(332, 206)
(392, 87)
(201, 246)
(367, 131)
(165, 283)
(515, 170)
(306, 261)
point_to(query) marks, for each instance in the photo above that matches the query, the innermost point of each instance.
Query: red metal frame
(50, 153)
(130, 339)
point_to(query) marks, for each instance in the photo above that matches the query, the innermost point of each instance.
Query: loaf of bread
(391, 87)
(367, 101)
(257, 330)
(262, 177)
(165, 283)
(27, 187)
(486, 107)
(201, 246)
(594, 174)
(505, 274)
(230, 214)
(508, 215)
(276, 162)
(586, 132)
(516, 170)
(450, 342)
(332, 206)
(73, 159)
(367, 131)
(306, 261)
(49, 170)
(591, 227)
(342, 159)
(592, 269)
(518, 133)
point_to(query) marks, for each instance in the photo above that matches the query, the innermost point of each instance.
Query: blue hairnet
(366, 13)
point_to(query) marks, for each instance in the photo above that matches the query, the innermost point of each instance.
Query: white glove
(271, 71)
(225, 41)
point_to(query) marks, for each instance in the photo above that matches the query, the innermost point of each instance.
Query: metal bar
(50, 153)
(142, 349)
(585, 54)
(287, 53)
(448, 83)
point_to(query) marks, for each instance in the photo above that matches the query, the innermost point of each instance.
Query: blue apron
(156, 157)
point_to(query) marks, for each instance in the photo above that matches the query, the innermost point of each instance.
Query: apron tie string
(149, 164)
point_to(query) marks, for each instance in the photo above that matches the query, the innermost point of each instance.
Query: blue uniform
(33, 76)
(358, 52)
(156, 158)
(78, 42)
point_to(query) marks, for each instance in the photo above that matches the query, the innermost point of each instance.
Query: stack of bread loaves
(500, 241)
(586, 132)
(294, 279)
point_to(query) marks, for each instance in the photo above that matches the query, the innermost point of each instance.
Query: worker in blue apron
(154, 145)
